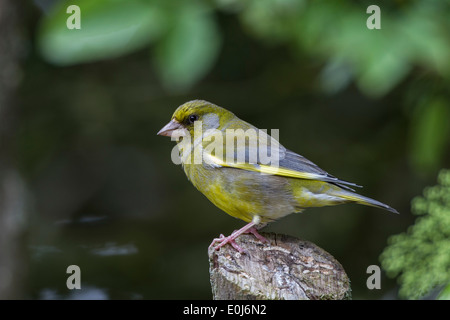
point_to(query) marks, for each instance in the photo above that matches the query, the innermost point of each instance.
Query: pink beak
(169, 128)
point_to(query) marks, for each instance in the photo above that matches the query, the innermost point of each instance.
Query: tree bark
(286, 269)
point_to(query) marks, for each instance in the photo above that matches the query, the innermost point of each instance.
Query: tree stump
(286, 269)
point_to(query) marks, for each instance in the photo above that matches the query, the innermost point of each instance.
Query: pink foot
(222, 240)
(254, 232)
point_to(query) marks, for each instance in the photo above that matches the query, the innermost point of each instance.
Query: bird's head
(197, 112)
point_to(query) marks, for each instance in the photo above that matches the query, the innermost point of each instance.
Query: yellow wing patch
(265, 169)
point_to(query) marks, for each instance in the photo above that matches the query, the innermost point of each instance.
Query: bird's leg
(222, 240)
(254, 231)
(248, 228)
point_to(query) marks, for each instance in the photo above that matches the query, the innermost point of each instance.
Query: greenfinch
(248, 173)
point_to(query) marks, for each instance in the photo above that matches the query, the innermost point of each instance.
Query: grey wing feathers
(294, 161)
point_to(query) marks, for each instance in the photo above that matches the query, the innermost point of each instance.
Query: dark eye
(192, 118)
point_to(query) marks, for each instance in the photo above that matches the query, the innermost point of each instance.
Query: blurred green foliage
(186, 35)
(430, 132)
(108, 29)
(421, 256)
(185, 43)
(335, 32)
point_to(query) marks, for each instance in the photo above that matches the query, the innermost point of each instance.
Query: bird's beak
(169, 128)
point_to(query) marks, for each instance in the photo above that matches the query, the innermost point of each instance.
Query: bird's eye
(193, 118)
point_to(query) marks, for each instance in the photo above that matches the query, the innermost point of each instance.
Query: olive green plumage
(248, 189)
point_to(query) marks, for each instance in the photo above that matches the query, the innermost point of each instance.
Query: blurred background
(85, 180)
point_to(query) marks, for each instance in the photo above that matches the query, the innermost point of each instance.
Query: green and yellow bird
(253, 189)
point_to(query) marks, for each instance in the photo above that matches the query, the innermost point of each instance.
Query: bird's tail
(353, 197)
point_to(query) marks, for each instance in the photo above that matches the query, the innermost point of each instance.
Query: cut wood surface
(286, 269)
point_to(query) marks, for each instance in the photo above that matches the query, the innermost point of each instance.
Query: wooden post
(286, 269)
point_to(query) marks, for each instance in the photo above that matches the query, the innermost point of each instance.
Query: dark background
(98, 187)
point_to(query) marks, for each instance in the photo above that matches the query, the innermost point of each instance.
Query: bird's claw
(222, 240)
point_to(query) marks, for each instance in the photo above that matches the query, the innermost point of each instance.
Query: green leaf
(190, 48)
(420, 257)
(444, 294)
(109, 28)
(430, 134)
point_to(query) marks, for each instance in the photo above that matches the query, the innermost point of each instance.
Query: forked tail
(353, 197)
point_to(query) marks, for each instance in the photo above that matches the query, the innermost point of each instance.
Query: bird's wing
(294, 163)
(268, 156)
